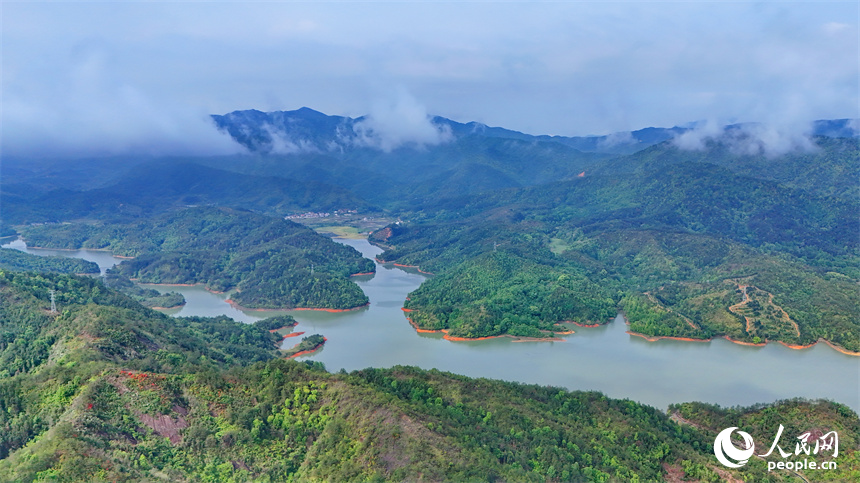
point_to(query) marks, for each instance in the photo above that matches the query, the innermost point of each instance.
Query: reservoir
(604, 358)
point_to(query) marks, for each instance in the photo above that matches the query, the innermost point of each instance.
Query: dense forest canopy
(271, 263)
(686, 244)
(111, 390)
(521, 232)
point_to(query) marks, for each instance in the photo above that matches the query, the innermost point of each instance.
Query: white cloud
(750, 138)
(87, 110)
(398, 122)
(568, 68)
(696, 138)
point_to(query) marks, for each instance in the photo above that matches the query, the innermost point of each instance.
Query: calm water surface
(603, 358)
(102, 257)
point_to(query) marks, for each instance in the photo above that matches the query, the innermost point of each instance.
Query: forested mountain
(272, 263)
(153, 187)
(828, 168)
(502, 216)
(688, 244)
(109, 390)
(307, 130)
(18, 261)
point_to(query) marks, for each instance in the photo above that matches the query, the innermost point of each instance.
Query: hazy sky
(111, 77)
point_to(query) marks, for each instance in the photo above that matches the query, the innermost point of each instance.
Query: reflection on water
(102, 258)
(602, 358)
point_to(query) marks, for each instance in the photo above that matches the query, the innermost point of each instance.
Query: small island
(306, 346)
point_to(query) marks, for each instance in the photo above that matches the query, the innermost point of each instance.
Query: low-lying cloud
(86, 111)
(401, 122)
(750, 139)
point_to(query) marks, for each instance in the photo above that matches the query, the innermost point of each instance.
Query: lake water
(603, 358)
(101, 257)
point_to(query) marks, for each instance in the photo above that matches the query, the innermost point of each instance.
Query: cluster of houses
(320, 214)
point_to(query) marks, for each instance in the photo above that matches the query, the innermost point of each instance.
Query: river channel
(604, 358)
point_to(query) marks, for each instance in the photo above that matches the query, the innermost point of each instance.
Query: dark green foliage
(666, 235)
(275, 323)
(7, 231)
(122, 393)
(268, 260)
(18, 261)
(498, 293)
(830, 169)
(155, 187)
(309, 343)
(148, 297)
(797, 417)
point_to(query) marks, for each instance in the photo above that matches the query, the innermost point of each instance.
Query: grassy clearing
(341, 231)
(558, 246)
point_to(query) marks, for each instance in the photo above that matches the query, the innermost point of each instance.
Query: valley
(460, 265)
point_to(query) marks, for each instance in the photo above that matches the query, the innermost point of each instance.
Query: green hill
(16, 260)
(272, 263)
(111, 391)
(697, 229)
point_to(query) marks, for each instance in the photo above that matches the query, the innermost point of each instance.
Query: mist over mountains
(306, 130)
(403, 158)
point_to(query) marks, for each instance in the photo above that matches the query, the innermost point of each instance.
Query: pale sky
(110, 77)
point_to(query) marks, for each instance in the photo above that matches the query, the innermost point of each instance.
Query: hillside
(153, 187)
(109, 390)
(697, 229)
(18, 261)
(271, 263)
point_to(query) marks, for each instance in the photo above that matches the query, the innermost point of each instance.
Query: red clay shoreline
(740, 342)
(471, 339)
(659, 337)
(168, 308)
(362, 273)
(239, 307)
(309, 351)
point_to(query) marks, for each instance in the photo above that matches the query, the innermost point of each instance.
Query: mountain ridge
(299, 131)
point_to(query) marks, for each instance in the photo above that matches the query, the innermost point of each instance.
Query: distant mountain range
(305, 160)
(306, 130)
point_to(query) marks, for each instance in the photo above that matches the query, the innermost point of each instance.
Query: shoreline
(401, 265)
(839, 348)
(309, 351)
(744, 343)
(655, 338)
(168, 308)
(167, 284)
(361, 274)
(292, 334)
(106, 250)
(578, 324)
(452, 338)
(741, 342)
(239, 307)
